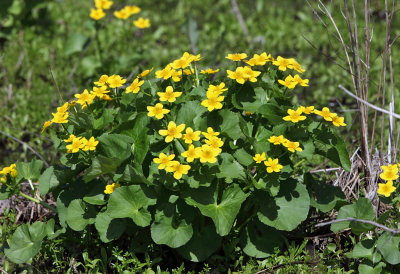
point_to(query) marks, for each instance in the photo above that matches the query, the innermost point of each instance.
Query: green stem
(38, 202)
(299, 163)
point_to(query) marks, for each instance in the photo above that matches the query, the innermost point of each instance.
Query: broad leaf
(47, 181)
(79, 215)
(29, 171)
(388, 246)
(109, 229)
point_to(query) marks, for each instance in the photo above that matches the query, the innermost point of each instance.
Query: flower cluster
(124, 13)
(214, 99)
(206, 152)
(243, 74)
(296, 116)
(178, 67)
(9, 170)
(389, 174)
(280, 140)
(80, 143)
(271, 164)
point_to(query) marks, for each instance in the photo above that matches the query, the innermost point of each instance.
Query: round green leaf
(202, 245)
(388, 246)
(259, 240)
(171, 232)
(286, 210)
(131, 202)
(79, 215)
(109, 229)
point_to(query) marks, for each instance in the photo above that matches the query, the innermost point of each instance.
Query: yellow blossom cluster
(178, 67)
(287, 63)
(101, 5)
(271, 164)
(389, 174)
(214, 99)
(126, 12)
(80, 143)
(206, 152)
(243, 74)
(280, 140)
(296, 116)
(9, 170)
(110, 188)
(291, 82)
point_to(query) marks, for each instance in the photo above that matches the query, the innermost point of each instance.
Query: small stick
(391, 230)
(55, 83)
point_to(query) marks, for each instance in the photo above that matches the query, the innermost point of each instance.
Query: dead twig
(390, 230)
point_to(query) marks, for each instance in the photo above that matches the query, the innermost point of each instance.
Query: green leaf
(132, 174)
(370, 269)
(29, 171)
(243, 157)
(115, 145)
(363, 249)
(272, 113)
(106, 118)
(170, 227)
(388, 246)
(190, 114)
(79, 215)
(140, 136)
(25, 242)
(230, 124)
(47, 181)
(223, 212)
(361, 209)
(288, 209)
(95, 196)
(75, 43)
(109, 229)
(308, 150)
(131, 202)
(326, 195)
(195, 250)
(101, 165)
(230, 168)
(259, 240)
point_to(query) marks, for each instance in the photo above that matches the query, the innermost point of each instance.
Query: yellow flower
(393, 168)
(191, 135)
(282, 63)
(386, 189)
(176, 75)
(289, 82)
(292, 146)
(207, 154)
(89, 144)
(296, 66)
(215, 143)
(63, 108)
(294, 115)
(273, 165)
(307, 110)
(132, 10)
(337, 121)
(169, 95)
(251, 74)
(75, 146)
(70, 138)
(135, 86)
(325, 113)
(301, 82)
(172, 132)
(277, 140)
(110, 188)
(9, 170)
(157, 111)
(210, 133)
(188, 71)
(190, 154)
(217, 88)
(99, 92)
(115, 81)
(97, 14)
(103, 4)
(122, 14)
(209, 71)
(164, 73)
(142, 23)
(178, 169)
(239, 75)
(85, 98)
(163, 160)
(259, 157)
(102, 81)
(60, 118)
(213, 101)
(46, 125)
(195, 58)
(145, 73)
(389, 175)
(236, 56)
(259, 60)
(181, 63)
